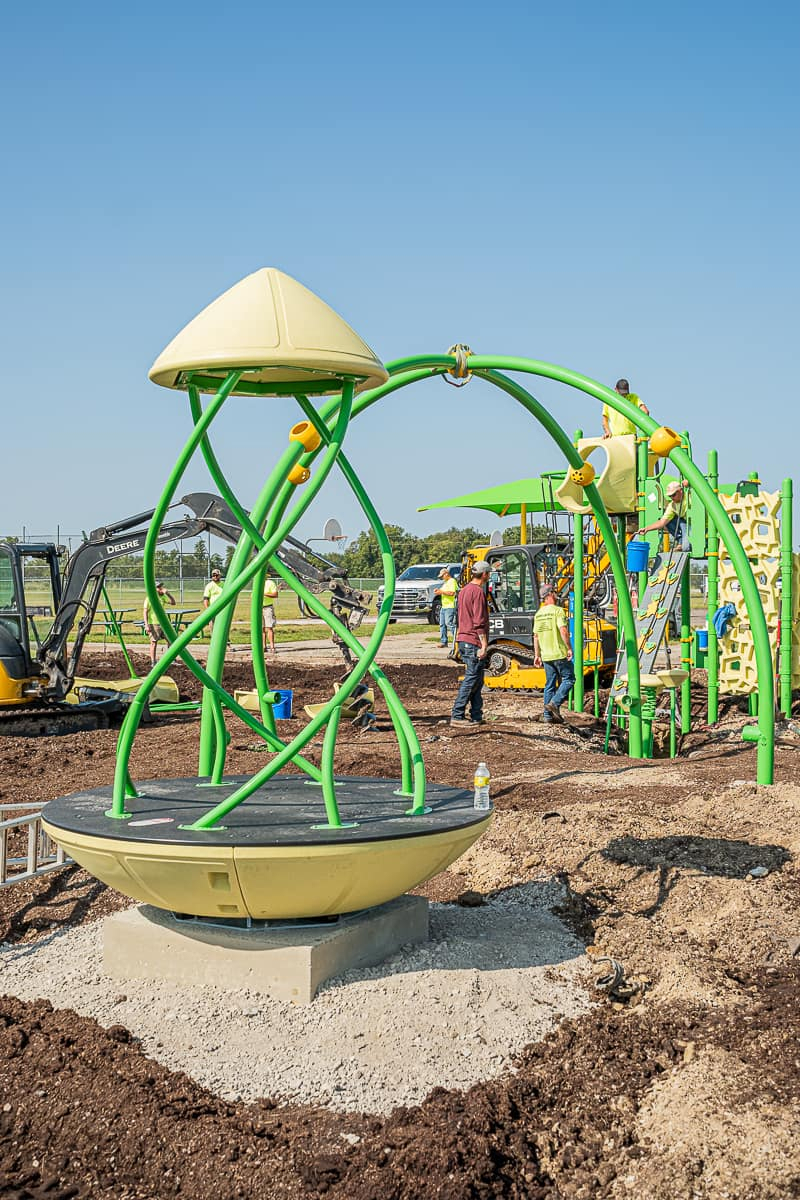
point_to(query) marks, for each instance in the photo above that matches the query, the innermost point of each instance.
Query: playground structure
(164, 841)
(632, 484)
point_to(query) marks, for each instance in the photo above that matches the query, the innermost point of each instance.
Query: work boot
(555, 713)
(460, 722)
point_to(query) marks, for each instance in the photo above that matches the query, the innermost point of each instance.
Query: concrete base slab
(287, 963)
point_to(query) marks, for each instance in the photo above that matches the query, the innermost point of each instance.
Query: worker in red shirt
(473, 644)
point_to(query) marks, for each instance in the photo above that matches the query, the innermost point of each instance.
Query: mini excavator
(38, 692)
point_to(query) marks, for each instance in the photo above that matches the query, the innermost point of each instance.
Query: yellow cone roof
(277, 331)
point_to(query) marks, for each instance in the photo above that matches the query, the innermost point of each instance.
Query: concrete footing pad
(289, 963)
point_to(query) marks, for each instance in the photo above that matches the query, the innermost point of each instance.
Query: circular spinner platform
(274, 858)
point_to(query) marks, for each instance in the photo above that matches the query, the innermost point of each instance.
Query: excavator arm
(85, 571)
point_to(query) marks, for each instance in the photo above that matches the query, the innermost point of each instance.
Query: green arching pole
(412, 764)
(712, 658)
(577, 601)
(181, 641)
(764, 734)
(787, 600)
(575, 461)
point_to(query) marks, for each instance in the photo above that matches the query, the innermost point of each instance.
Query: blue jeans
(447, 625)
(559, 681)
(678, 530)
(470, 690)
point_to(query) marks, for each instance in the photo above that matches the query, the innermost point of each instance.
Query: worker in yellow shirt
(614, 423)
(212, 589)
(553, 651)
(447, 612)
(270, 596)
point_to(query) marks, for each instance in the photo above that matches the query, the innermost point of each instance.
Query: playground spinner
(311, 843)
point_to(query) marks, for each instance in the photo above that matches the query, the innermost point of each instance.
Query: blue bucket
(638, 554)
(702, 638)
(282, 707)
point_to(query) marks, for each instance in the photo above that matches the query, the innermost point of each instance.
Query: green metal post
(787, 599)
(642, 462)
(686, 625)
(712, 659)
(577, 600)
(673, 738)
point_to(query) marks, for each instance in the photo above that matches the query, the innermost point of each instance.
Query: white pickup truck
(414, 596)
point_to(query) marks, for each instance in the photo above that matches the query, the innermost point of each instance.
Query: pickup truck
(414, 596)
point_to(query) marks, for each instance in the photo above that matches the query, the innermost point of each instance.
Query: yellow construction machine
(518, 574)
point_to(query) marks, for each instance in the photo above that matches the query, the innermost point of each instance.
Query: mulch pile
(85, 1113)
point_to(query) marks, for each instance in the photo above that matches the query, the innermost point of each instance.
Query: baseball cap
(622, 386)
(547, 590)
(674, 487)
(216, 571)
(159, 583)
(481, 567)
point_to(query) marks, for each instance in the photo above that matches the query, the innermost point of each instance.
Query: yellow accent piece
(305, 433)
(276, 332)
(298, 475)
(663, 441)
(582, 475)
(268, 882)
(616, 481)
(165, 691)
(672, 679)
(248, 700)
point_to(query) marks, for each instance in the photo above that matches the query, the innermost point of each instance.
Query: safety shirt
(270, 592)
(617, 423)
(547, 625)
(677, 510)
(212, 590)
(448, 590)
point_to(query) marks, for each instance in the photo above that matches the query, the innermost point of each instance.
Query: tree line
(361, 559)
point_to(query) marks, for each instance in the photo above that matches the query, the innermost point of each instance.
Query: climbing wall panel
(756, 520)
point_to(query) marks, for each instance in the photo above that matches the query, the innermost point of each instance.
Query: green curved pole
(412, 763)
(565, 445)
(411, 755)
(764, 734)
(181, 641)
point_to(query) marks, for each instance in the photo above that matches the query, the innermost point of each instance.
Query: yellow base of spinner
(267, 882)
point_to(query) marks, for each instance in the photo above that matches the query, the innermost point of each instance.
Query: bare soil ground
(682, 1082)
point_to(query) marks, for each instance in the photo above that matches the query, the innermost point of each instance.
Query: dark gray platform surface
(283, 812)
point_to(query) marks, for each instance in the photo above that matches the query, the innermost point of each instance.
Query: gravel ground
(448, 1013)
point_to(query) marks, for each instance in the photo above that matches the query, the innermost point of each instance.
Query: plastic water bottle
(482, 778)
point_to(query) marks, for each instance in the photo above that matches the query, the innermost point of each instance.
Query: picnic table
(179, 618)
(112, 620)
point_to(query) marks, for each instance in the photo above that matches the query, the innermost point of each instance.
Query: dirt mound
(84, 1112)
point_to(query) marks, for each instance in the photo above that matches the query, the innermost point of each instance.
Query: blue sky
(612, 188)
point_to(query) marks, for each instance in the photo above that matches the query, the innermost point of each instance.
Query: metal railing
(42, 854)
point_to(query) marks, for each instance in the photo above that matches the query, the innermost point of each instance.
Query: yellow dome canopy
(275, 330)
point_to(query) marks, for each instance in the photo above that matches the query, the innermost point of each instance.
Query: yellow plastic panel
(267, 881)
(308, 881)
(757, 523)
(616, 479)
(276, 331)
(191, 879)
